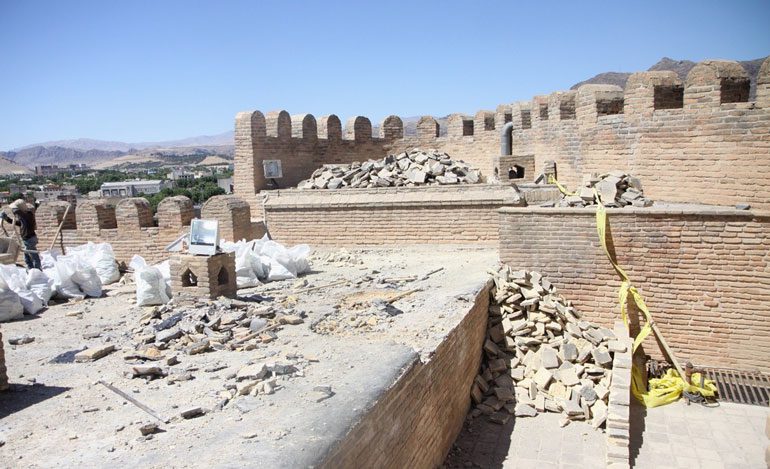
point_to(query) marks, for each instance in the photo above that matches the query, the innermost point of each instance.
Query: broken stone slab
(168, 335)
(149, 429)
(147, 371)
(548, 357)
(94, 353)
(542, 378)
(21, 340)
(500, 417)
(252, 372)
(525, 410)
(192, 413)
(601, 356)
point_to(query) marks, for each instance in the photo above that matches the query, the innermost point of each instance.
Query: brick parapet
(395, 216)
(703, 273)
(415, 422)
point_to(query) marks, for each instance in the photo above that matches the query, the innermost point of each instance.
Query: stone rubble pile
(413, 168)
(539, 356)
(223, 324)
(616, 189)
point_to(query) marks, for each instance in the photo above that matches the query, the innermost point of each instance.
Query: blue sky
(158, 70)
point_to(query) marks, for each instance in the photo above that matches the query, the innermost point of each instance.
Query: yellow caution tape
(552, 180)
(663, 390)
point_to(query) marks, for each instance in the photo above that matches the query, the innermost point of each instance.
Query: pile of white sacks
(256, 261)
(80, 273)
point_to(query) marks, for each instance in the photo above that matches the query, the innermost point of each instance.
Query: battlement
(592, 129)
(131, 228)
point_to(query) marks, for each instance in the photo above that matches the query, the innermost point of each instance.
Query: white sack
(10, 305)
(16, 279)
(40, 284)
(100, 257)
(151, 286)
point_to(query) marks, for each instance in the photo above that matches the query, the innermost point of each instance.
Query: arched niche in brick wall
(92, 215)
(278, 124)
(133, 213)
(358, 128)
(725, 81)
(392, 128)
(175, 212)
(304, 126)
(330, 127)
(233, 214)
(427, 128)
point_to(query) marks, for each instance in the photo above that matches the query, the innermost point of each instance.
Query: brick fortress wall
(704, 273)
(700, 140)
(415, 422)
(131, 228)
(391, 216)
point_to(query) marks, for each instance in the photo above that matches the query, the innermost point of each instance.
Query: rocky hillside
(681, 67)
(9, 167)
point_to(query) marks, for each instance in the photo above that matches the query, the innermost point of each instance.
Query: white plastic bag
(65, 286)
(100, 257)
(40, 284)
(10, 305)
(151, 286)
(16, 279)
(245, 274)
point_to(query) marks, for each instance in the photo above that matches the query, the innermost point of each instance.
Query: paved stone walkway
(522, 443)
(681, 436)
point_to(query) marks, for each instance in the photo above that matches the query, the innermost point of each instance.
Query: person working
(24, 217)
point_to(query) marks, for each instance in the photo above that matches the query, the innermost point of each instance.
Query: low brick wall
(703, 272)
(437, 214)
(619, 409)
(415, 422)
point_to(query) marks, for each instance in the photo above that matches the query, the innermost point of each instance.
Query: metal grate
(741, 387)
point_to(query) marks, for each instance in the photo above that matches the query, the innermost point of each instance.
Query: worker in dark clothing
(24, 218)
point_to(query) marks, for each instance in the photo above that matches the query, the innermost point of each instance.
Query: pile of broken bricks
(223, 324)
(406, 169)
(539, 356)
(615, 189)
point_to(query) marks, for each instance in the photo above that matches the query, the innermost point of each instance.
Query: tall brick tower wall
(698, 140)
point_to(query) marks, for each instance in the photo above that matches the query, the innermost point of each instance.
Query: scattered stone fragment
(95, 353)
(149, 429)
(525, 410)
(192, 413)
(21, 340)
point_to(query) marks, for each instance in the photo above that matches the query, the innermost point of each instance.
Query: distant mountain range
(97, 152)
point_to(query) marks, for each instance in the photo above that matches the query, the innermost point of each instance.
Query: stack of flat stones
(539, 356)
(407, 169)
(616, 189)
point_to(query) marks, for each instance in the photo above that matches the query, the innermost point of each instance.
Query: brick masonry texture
(698, 148)
(130, 228)
(703, 272)
(3, 371)
(416, 421)
(618, 419)
(214, 275)
(436, 214)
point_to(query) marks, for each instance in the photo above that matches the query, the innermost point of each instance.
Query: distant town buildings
(134, 188)
(226, 184)
(52, 170)
(178, 174)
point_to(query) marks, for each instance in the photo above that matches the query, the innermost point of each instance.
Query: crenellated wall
(130, 228)
(697, 140)
(694, 141)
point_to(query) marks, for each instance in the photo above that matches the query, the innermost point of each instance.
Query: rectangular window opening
(567, 109)
(544, 112)
(526, 119)
(668, 97)
(734, 90)
(467, 127)
(609, 106)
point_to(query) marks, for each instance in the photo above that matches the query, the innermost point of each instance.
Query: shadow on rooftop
(21, 396)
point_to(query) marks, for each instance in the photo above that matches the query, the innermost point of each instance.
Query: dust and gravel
(373, 313)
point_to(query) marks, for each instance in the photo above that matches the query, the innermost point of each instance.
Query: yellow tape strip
(664, 390)
(552, 180)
